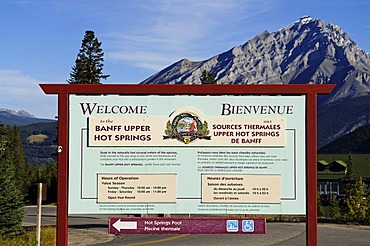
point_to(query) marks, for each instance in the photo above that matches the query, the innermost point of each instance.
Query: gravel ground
(88, 236)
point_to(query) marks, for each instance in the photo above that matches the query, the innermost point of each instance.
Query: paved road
(49, 218)
(92, 229)
(278, 234)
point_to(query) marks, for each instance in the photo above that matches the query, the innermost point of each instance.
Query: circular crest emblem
(186, 127)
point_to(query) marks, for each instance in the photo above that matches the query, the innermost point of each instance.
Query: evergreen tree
(320, 209)
(17, 158)
(88, 68)
(335, 210)
(356, 206)
(368, 205)
(349, 170)
(207, 78)
(48, 176)
(205, 130)
(169, 130)
(11, 199)
(355, 201)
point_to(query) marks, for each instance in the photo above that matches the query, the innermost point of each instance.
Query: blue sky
(41, 38)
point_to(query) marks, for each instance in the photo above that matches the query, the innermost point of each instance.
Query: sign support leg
(311, 195)
(62, 215)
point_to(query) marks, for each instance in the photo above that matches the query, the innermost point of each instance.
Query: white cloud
(149, 34)
(19, 91)
(170, 30)
(149, 60)
(15, 84)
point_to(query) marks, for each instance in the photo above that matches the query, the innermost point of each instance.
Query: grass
(39, 138)
(48, 238)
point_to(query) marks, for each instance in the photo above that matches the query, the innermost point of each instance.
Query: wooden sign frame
(310, 90)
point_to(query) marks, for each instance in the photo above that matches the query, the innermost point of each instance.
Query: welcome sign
(187, 154)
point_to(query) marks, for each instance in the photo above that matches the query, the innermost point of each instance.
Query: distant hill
(342, 117)
(19, 118)
(39, 136)
(40, 142)
(357, 142)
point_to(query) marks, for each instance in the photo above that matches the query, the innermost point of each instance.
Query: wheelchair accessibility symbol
(248, 225)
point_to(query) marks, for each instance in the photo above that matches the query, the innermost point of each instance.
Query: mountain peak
(305, 51)
(305, 19)
(11, 117)
(21, 113)
(318, 29)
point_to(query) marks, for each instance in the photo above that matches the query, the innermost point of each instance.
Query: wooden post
(311, 168)
(39, 211)
(62, 214)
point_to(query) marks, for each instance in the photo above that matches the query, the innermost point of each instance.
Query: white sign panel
(187, 154)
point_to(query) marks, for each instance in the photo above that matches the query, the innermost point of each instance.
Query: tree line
(18, 181)
(40, 143)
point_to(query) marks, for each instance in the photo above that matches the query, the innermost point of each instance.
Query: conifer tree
(356, 206)
(368, 206)
(18, 159)
(320, 209)
(207, 78)
(335, 210)
(11, 198)
(88, 68)
(349, 170)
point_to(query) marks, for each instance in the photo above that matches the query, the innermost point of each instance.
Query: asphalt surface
(93, 230)
(278, 234)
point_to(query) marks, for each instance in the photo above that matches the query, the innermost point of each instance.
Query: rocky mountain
(19, 118)
(356, 142)
(306, 51)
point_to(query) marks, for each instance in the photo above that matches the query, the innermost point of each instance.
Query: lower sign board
(178, 225)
